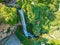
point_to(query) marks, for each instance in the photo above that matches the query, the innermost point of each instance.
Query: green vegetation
(22, 38)
(42, 19)
(39, 16)
(8, 15)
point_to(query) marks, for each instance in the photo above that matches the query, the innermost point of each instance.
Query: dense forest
(42, 18)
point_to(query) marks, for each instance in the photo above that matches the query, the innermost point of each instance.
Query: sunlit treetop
(8, 14)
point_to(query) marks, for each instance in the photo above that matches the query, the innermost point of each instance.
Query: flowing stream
(26, 33)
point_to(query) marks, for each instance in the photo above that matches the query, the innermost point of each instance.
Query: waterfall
(26, 33)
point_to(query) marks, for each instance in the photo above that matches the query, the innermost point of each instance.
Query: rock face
(4, 28)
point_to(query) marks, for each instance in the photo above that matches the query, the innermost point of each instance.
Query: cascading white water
(23, 22)
(27, 34)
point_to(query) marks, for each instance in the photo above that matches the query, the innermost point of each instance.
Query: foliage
(8, 14)
(52, 38)
(53, 4)
(3, 1)
(54, 25)
(22, 38)
(42, 17)
(39, 15)
(19, 2)
(53, 42)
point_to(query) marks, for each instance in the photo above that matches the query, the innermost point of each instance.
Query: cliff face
(3, 30)
(6, 30)
(4, 27)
